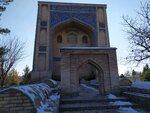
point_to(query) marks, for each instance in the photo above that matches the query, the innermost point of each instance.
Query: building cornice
(67, 3)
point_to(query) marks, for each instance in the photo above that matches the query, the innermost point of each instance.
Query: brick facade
(103, 59)
(13, 101)
(66, 25)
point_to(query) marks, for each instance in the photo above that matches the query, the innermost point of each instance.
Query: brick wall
(103, 59)
(35, 98)
(13, 101)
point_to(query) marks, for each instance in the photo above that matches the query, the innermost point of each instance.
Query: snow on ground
(50, 106)
(27, 91)
(141, 85)
(42, 90)
(33, 91)
(138, 94)
(41, 109)
(127, 110)
(91, 88)
(111, 96)
(120, 103)
(121, 109)
(93, 82)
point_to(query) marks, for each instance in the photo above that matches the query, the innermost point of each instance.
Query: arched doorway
(92, 74)
(102, 60)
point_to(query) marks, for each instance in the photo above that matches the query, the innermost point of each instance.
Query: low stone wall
(145, 91)
(139, 95)
(35, 98)
(142, 99)
(125, 82)
(13, 101)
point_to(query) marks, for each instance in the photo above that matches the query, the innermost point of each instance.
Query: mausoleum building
(71, 44)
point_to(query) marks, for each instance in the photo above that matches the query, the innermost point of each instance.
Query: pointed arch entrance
(93, 71)
(102, 59)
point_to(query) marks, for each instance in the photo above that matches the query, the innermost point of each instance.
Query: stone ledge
(88, 48)
(144, 91)
(142, 99)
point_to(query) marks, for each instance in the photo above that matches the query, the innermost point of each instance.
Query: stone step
(91, 106)
(138, 95)
(66, 101)
(93, 111)
(91, 99)
(137, 90)
(142, 99)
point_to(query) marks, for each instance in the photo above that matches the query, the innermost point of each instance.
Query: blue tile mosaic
(84, 14)
(73, 8)
(58, 17)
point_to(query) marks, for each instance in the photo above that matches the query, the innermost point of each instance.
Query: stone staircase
(139, 96)
(99, 104)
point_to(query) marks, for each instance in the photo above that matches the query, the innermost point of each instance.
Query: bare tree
(13, 52)
(138, 32)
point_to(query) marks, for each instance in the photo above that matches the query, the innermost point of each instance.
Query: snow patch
(111, 96)
(93, 82)
(50, 106)
(141, 85)
(138, 94)
(93, 89)
(127, 110)
(120, 103)
(48, 102)
(32, 91)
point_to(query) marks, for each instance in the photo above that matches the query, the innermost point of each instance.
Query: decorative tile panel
(61, 13)
(58, 17)
(73, 8)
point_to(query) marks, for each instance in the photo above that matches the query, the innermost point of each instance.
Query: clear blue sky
(20, 18)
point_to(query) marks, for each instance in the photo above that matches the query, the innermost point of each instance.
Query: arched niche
(72, 26)
(72, 32)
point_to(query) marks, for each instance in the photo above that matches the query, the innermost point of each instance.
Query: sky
(20, 17)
